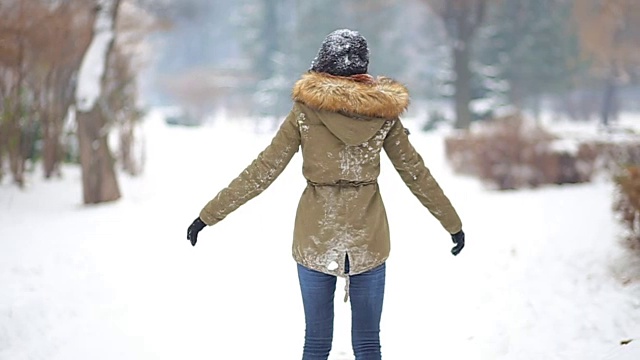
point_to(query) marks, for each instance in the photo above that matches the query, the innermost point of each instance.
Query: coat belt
(344, 183)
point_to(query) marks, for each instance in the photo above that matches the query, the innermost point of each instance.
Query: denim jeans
(366, 292)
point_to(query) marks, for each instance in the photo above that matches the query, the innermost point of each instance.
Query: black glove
(194, 229)
(458, 239)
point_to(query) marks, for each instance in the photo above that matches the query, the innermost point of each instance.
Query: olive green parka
(341, 124)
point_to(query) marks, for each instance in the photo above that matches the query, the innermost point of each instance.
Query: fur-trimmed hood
(364, 95)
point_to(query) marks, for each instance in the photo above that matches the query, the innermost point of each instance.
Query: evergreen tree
(282, 38)
(530, 50)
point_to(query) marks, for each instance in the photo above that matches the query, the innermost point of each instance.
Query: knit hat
(343, 53)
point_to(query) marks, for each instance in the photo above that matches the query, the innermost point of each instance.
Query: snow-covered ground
(543, 275)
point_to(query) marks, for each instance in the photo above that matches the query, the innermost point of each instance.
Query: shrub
(511, 152)
(627, 202)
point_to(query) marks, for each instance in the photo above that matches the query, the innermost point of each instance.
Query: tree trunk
(1, 163)
(51, 147)
(127, 148)
(608, 101)
(16, 160)
(462, 84)
(50, 139)
(461, 20)
(99, 181)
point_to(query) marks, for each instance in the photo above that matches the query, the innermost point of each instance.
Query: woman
(341, 119)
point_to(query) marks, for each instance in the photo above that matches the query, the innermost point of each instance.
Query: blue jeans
(366, 292)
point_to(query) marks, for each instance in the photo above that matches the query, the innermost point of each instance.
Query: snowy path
(120, 281)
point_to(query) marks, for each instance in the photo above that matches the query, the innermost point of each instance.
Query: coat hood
(353, 108)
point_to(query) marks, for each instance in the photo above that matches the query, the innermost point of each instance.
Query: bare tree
(461, 19)
(128, 57)
(64, 39)
(41, 45)
(609, 32)
(55, 54)
(16, 40)
(99, 180)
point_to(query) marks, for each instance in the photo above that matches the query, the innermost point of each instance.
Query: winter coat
(341, 124)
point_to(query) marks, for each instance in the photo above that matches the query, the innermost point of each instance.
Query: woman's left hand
(194, 229)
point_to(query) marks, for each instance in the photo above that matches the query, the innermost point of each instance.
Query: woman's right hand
(458, 239)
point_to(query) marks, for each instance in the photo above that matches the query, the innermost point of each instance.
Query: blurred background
(529, 110)
(464, 61)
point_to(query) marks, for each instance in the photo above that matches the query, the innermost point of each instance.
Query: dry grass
(627, 203)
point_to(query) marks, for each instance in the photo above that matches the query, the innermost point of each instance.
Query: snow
(623, 130)
(566, 146)
(543, 275)
(94, 61)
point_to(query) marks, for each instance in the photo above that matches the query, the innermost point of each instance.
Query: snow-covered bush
(511, 152)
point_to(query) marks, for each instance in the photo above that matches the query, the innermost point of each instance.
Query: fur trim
(382, 97)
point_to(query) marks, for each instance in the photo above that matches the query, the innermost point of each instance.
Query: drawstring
(346, 289)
